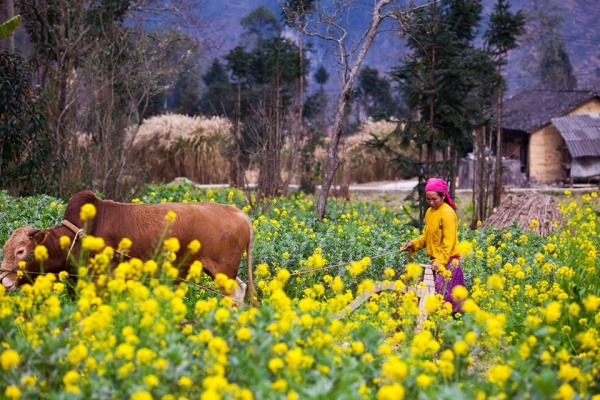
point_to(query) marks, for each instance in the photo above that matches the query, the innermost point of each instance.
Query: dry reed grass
(169, 146)
(363, 164)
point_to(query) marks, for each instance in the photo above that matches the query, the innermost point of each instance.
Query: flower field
(130, 329)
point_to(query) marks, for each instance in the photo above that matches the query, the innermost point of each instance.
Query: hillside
(579, 33)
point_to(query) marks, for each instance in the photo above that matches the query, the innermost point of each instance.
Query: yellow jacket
(440, 234)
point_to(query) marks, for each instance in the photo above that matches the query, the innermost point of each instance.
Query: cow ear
(38, 236)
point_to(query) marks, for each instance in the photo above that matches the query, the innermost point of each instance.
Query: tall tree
(315, 118)
(483, 125)
(112, 60)
(25, 141)
(218, 96)
(184, 97)
(265, 72)
(330, 24)
(545, 56)
(439, 83)
(374, 95)
(504, 30)
(238, 63)
(260, 24)
(299, 10)
(555, 70)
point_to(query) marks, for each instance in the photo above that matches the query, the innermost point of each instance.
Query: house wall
(545, 147)
(592, 106)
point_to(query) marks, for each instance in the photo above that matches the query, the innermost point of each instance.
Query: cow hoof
(239, 292)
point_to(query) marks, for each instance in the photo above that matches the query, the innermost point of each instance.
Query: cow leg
(239, 292)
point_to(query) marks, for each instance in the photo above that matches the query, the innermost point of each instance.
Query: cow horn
(32, 232)
(38, 237)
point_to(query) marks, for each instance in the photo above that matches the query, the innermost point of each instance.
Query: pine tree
(546, 57)
(440, 86)
(218, 96)
(502, 35)
(374, 95)
(265, 71)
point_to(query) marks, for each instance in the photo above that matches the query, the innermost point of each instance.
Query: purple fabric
(445, 287)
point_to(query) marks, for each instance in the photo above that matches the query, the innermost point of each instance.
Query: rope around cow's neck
(78, 233)
(76, 230)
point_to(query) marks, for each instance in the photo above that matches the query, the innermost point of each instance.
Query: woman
(440, 238)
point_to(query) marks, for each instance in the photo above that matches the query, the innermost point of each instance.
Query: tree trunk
(332, 161)
(498, 172)
(479, 187)
(235, 168)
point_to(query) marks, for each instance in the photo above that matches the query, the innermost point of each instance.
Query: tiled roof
(581, 133)
(529, 111)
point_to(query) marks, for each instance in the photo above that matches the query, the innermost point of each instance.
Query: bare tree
(328, 24)
(103, 66)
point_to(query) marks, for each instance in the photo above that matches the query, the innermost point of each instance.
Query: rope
(218, 292)
(334, 266)
(78, 233)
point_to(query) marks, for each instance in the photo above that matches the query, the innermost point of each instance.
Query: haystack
(525, 208)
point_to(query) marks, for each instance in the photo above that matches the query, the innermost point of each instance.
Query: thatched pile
(525, 208)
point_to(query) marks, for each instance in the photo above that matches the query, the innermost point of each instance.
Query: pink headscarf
(439, 185)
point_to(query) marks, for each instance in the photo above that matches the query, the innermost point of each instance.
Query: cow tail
(251, 290)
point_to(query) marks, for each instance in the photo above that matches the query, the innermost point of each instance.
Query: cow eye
(20, 252)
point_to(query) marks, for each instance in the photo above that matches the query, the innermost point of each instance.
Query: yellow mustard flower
(141, 395)
(171, 216)
(87, 212)
(499, 374)
(9, 359)
(394, 391)
(12, 392)
(40, 253)
(64, 242)
(194, 246)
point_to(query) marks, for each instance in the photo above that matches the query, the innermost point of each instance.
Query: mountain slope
(579, 32)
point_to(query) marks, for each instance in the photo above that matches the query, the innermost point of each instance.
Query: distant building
(581, 133)
(549, 136)
(547, 145)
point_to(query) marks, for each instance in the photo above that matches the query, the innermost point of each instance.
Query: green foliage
(39, 211)
(261, 24)
(9, 26)
(504, 28)
(555, 70)
(546, 57)
(374, 95)
(25, 140)
(321, 76)
(529, 329)
(186, 93)
(218, 97)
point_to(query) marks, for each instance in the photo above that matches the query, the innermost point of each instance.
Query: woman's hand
(407, 246)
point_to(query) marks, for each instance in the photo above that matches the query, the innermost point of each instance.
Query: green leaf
(8, 27)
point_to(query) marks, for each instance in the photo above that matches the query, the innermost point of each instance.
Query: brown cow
(223, 231)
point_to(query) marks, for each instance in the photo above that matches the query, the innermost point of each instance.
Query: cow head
(20, 247)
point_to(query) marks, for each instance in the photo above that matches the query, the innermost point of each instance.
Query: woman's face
(434, 199)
